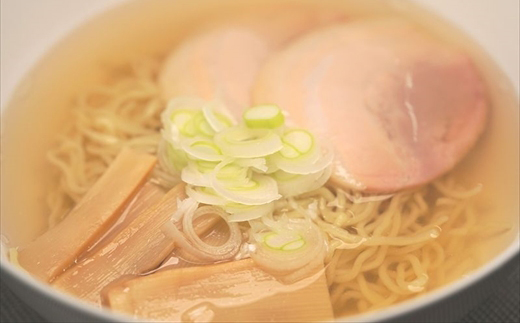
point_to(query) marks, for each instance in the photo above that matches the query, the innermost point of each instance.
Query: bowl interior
(39, 105)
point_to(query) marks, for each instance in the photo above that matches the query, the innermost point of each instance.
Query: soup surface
(105, 87)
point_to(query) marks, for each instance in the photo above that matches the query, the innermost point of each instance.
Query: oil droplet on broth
(435, 232)
(203, 312)
(419, 284)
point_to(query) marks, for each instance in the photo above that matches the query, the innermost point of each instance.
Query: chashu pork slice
(399, 106)
(222, 60)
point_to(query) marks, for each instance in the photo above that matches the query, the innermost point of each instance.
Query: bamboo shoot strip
(137, 249)
(54, 251)
(236, 291)
(149, 195)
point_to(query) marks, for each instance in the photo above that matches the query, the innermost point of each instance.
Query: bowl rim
(388, 313)
(391, 312)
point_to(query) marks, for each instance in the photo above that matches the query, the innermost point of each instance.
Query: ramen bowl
(44, 41)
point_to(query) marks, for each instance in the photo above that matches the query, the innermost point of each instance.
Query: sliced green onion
(232, 175)
(191, 175)
(241, 142)
(205, 195)
(287, 245)
(311, 162)
(295, 184)
(209, 117)
(182, 116)
(241, 212)
(300, 154)
(286, 241)
(281, 176)
(196, 126)
(257, 164)
(202, 148)
(241, 167)
(176, 157)
(295, 245)
(216, 120)
(264, 116)
(179, 111)
(186, 115)
(189, 129)
(232, 172)
(260, 189)
(289, 152)
(297, 142)
(202, 125)
(301, 140)
(271, 167)
(205, 167)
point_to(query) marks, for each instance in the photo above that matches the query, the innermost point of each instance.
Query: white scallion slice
(288, 241)
(288, 247)
(181, 117)
(205, 195)
(202, 126)
(216, 120)
(193, 176)
(196, 126)
(296, 184)
(192, 248)
(258, 190)
(300, 140)
(206, 167)
(232, 172)
(175, 157)
(239, 212)
(294, 245)
(179, 114)
(289, 151)
(202, 148)
(189, 129)
(271, 167)
(186, 206)
(264, 116)
(257, 164)
(187, 117)
(241, 142)
(312, 162)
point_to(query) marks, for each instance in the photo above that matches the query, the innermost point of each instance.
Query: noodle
(105, 120)
(408, 244)
(381, 250)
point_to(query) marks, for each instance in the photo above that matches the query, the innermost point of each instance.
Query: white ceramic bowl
(29, 29)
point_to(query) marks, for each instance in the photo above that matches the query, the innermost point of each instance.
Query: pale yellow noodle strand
(345, 275)
(102, 122)
(455, 193)
(369, 294)
(376, 261)
(388, 281)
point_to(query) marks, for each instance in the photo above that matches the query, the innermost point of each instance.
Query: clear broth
(140, 29)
